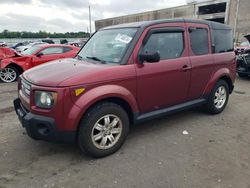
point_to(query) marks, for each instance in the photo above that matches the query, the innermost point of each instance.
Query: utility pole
(90, 31)
(236, 21)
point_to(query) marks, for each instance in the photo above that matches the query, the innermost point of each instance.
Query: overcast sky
(69, 15)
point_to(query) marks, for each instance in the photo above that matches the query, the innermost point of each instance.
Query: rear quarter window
(223, 40)
(199, 40)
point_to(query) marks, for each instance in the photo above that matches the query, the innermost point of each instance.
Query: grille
(25, 87)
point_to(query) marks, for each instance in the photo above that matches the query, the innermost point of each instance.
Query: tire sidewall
(84, 138)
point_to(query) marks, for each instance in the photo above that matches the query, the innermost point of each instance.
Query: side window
(66, 49)
(52, 50)
(199, 40)
(223, 40)
(169, 44)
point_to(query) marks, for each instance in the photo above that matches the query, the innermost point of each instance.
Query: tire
(9, 74)
(96, 128)
(242, 75)
(215, 105)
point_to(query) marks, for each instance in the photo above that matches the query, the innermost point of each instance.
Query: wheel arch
(107, 93)
(229, 82)
(18, 67)
(222, 74)
(116, 100)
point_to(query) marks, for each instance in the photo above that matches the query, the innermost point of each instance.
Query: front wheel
(9, 74)
(218, 98)
(103, 130)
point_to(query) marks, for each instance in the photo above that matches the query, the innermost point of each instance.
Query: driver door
(48, 54)
(165, 83)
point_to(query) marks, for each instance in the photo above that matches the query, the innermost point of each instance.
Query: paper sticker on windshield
(123, 38)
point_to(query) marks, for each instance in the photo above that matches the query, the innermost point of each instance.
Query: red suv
(12, 67)
(124, 75)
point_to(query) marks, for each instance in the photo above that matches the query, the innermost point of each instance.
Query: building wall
(176, 12)
(241, 22)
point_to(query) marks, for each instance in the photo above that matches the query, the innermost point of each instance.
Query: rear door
(201, 58)
(164, 83)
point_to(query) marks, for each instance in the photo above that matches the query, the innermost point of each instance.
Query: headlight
(45, 99)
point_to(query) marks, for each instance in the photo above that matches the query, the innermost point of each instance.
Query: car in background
(243, 57)
(11, 68)
(25, 47)
(76, 44)
(243, 45)
(79, 43)
(24, 43)
(49, 41)
(3, 44)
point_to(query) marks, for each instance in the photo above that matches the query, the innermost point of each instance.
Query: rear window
(199, 40)
(223, 41)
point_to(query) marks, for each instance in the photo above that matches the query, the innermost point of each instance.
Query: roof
(55, 45)
(211, 24)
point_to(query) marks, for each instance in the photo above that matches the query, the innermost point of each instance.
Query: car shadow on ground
(136, 131)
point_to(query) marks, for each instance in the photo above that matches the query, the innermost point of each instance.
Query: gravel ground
(215, 152)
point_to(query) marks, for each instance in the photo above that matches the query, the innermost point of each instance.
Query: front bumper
(41, 127)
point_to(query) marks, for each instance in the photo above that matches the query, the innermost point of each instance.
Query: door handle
(186, 68)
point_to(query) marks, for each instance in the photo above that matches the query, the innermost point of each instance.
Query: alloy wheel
(220, 97)
(106, 131)
(8, 75)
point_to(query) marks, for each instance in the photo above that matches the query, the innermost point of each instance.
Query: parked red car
(245, 45)
(11, 68)
(127, 74)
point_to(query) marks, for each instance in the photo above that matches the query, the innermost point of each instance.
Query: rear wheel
(9, 74)
(218, 98)
(103, 130)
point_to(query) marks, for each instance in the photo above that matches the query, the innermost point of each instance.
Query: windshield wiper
(97, 59)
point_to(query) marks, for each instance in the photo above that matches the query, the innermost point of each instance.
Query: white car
(20, 49)
(2, 44)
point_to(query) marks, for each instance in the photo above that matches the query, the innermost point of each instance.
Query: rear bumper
(41, 127)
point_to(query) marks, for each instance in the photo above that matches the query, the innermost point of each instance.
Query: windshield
(31, 50)
(108, 46)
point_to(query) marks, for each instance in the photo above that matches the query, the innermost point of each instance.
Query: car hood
(8, 52)
(20, 59)
(64, 72)
(247, 37)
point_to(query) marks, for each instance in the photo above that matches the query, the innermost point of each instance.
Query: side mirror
(39, 54)
(149, 57)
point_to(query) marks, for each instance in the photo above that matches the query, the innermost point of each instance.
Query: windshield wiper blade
(96, 59)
